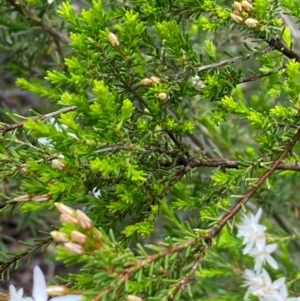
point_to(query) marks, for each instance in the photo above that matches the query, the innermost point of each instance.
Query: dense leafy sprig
(169, 117)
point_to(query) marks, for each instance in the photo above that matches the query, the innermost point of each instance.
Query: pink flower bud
(133, 298)
(57, 290)
(74, 248)
(237, 6)
(22, 198)
(247, 6)
(114, 41)
(67, 218)
(253, 23)
(78, 237)
(84, 221)
(58, 164)
(155, 79)
(41, 198)
(62, 208)
(59, 236)
(146, 81)
(162, 96)
(236, 18)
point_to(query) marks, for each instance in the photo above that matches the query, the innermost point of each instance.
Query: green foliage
(169, 116)
(26, 48)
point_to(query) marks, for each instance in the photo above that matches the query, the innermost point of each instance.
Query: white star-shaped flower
(261, 286)
(262, 254)
(39, 290)
(251, 231)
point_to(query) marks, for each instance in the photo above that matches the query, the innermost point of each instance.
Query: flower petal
(39, 291)
(12, 292)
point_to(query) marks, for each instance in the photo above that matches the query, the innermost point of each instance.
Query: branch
(278, 45)
(40, 22)
(212, 163)
(183, 283)
(6, 128)
(189, 163)
(235, 164)
(217, 229)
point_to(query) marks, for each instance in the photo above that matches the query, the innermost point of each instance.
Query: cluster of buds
(76, 241)
(33, 198)
(162, 96)
(149, 81)
(241, 14)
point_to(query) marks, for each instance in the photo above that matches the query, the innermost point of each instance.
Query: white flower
(39, 290)
(254, 238)
(261, 255)
(254, 282)
(97, 192)
(251, 231)
(261, 286)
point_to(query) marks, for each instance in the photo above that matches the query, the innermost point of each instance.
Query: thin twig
(182, 284)
(259, 76)
(6, 128)
(178, 176)
(234, 60)
(179, 145)
(287, 228)
(40, 22)
(223, 63)
(4, 265)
